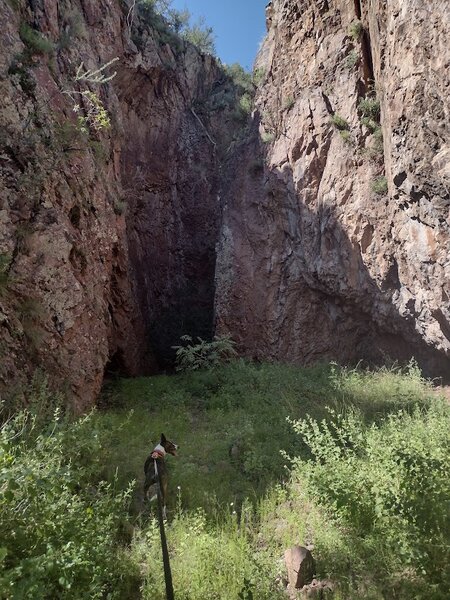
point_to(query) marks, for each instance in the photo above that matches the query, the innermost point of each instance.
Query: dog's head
(169, 447)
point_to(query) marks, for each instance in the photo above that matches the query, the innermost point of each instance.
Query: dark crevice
(358, 11)
(391, 281)
(369, 77)
(366, 50)
(115, 367)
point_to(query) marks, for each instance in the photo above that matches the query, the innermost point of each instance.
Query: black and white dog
(155, 469)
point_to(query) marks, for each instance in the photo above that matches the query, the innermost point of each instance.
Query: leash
(165, 551)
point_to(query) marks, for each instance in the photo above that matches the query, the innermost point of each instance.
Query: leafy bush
(241, 78)
(243, 93)
(267, 137)
(171, 23)
(35, 41)
(352, 59)
(355, 30)
(379, 185)
(203, 355)
(346, 136)
(370, 123)
(58, 520)
(246, 104)
(370, 108)
(339, 122)
(384, 486)
(201, 36)
(258, 76)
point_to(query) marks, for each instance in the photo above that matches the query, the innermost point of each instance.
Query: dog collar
(158, 452)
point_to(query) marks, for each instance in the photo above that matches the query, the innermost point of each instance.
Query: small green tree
(201, 36)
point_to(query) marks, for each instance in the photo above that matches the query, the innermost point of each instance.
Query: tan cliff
(336, 244)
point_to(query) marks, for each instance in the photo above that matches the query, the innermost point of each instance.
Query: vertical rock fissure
(366, 48)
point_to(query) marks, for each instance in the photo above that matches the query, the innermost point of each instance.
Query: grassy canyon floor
(351, 463)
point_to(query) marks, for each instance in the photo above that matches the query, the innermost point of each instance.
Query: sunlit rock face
(335, 236)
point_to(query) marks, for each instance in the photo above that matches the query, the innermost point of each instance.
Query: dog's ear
(163, 439)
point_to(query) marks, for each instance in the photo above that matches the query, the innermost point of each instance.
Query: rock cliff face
(107, 237)
(335, 240)
(329, 218)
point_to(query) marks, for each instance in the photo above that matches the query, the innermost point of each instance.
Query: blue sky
(239, 26)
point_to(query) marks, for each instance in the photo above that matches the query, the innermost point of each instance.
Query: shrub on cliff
(201, 36)
(379, 185)
(168, 20)
(339, 122)
(34, 40)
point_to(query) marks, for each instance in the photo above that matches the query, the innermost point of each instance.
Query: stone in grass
(300, 566)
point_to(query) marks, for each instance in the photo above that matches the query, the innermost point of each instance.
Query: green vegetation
(356, 29)
(366, 486)
(379, 185)
(59, 523)
(346, 136)
(339, 122)
(267, 137)
(369, 107)
(289, 103)
(92, 115)
(201, 36)
(35, 43)
(169, 21)
(259, 75)
(376, 150)
(120, 206)
(242, 99)
(241, 78)
(5, 263)
(34, 40)
(203, 355)
(352, 59)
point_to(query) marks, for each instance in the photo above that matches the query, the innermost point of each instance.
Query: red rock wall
(109, 238)
(314, 264)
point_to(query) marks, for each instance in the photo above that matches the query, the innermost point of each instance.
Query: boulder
(300, 566)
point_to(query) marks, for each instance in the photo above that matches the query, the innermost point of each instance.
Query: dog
(158, 455)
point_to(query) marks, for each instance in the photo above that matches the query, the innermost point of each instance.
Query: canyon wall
(107, 235)
(335, 240)
(317, 229)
